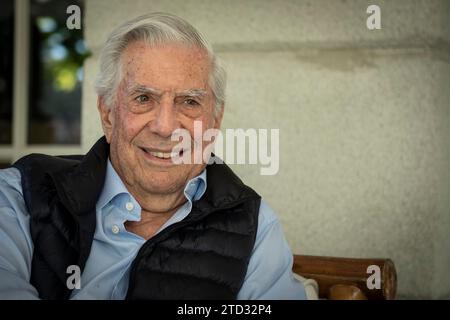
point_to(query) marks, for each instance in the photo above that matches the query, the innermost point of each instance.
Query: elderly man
(133, 223)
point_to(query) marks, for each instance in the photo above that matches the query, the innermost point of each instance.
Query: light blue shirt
(107, 269)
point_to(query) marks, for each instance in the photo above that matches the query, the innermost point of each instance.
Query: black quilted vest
(204, 256)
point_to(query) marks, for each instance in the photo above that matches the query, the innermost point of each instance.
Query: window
(41, 77)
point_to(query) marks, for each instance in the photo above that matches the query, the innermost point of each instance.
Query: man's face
(162, 89)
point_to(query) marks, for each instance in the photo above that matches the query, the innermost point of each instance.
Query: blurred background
(364, 115)
(41, 74)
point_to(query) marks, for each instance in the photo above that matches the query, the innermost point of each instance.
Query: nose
(165, 121)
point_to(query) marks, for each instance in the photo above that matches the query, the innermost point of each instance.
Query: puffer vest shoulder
(204, 256)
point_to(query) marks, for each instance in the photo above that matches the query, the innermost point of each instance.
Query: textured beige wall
(364, 119)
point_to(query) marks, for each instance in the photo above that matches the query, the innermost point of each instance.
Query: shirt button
(115, 229)
(129, 206)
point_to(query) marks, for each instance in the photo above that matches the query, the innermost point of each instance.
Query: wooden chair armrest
(339, 278)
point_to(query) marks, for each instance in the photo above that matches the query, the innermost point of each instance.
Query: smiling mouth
(162, 155)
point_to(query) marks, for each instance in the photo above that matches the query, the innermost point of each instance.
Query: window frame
(19, 146)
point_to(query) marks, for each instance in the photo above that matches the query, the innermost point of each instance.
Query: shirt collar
(113, 186)
(196, 187)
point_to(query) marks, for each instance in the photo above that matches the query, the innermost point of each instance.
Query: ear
(106, 116)
(218, 118)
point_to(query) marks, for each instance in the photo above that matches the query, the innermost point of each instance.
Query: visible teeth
(163, 155)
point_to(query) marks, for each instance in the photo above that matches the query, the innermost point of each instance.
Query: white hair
(153, 29)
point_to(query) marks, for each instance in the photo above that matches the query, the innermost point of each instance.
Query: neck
(156, 210)
(156, 207)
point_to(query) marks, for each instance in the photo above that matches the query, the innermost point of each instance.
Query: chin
(161, 182)
(162, 188)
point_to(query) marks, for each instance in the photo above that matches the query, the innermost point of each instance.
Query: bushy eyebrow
(200, 93)
(138, 88)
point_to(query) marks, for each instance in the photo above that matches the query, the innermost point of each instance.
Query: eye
(191, 102)
(142, 98)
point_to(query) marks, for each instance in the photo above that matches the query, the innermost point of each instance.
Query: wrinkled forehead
(165, 66)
